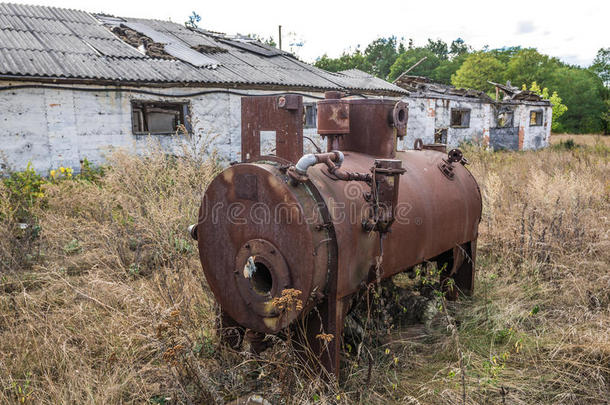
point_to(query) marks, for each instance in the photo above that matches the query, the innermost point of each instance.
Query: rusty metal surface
(361, 125)
(433, 215)
(333, 117)
(348, 219)
(282, 114)
(276, 225)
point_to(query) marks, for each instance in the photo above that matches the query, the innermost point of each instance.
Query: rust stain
(521, 137)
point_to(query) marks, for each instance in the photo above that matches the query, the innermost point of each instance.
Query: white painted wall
(52, 128)
(427, 114)
(534, 137)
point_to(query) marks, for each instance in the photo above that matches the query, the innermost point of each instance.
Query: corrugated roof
(37, 41)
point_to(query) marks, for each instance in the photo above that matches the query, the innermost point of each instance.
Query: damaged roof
(512, 93)
(424, 87)
(46, 43)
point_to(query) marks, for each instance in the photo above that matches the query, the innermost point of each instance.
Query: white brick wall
(53, 128)
(425, 115)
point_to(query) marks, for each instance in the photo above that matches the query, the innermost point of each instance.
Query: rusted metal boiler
(286, 239)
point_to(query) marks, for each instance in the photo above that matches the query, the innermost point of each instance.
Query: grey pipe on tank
(305, 163)
(311, 159)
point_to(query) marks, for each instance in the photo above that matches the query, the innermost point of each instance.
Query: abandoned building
(439, 113)
(76, 85)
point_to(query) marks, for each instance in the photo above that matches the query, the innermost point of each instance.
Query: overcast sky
(572, 31)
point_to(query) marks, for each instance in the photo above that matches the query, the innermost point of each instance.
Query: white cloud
(525, 27)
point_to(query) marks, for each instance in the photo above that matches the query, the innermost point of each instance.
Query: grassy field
(103, 300)
(590, 140)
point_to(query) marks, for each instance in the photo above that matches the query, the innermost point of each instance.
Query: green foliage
(477, 69)
(606, 117)
(73, 247)
(381, 55)
(90, 173)
(528, 65)
(377, 58)
(447, 68)
(506, 53)
(438, 48)
(355, 60)
(583, 93)
(601, 65)
(25, 189)
(458, 47)
(411, 57)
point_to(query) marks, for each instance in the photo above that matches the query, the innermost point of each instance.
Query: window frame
(314, 107)
(461, 111)
(539, 113)
(509, 117)
(182, 108)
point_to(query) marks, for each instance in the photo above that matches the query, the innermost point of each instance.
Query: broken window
(535, 118)
(311, 115)
(158, 118)
(460, 118)
(505, 119)
(268, 141)
(440, 135)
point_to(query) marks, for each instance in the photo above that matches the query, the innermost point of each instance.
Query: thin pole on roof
(410, 69)
(279, 29)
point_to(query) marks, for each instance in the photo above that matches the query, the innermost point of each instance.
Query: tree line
(584, 93)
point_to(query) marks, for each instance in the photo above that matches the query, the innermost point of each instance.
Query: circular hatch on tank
(257, 239)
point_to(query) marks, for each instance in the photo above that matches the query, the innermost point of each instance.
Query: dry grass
(116, 309)
(581, 139)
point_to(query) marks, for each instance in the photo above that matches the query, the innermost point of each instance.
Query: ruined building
(76, 85)
(438, 113)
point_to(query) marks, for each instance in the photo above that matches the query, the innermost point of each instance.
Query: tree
(193, 20)
(528, 65)
(506, 53)
(439, 48)
(582, 92)
(355, 60)
(477, 69)
(447, 68)
(376, 59)
(410, 58)
(601, 65)
(458, 47)
(381, 55)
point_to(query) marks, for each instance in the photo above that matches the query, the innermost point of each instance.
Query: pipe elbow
(305, 163)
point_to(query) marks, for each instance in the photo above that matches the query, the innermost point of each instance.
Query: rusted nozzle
(192, 230)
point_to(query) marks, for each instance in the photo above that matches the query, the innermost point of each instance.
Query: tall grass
(115, 308)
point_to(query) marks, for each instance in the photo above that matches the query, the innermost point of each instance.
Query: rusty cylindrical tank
(276, 241)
